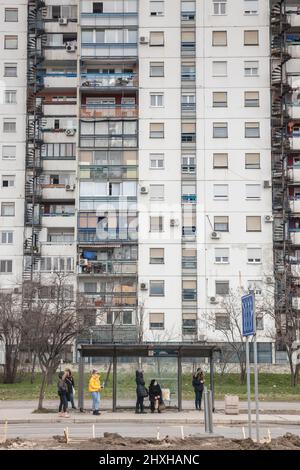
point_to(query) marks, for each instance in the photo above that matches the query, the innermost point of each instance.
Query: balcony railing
(91, 49)
(107, 80)
(107, 110)
(108, 235)
(189, 197)
(109, 268)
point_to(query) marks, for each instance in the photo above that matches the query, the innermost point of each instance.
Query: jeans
(198, 398)
(139, 403)
(63, 405)
(71, 399)
(96, 401)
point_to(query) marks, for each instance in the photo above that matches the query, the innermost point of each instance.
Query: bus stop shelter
(145, 350)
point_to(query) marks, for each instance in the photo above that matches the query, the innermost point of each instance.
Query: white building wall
(14, 167)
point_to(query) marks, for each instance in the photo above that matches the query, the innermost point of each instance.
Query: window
(219, 68)
(222, 255)
(156, 321)
(219, 99)
(6, 237)
(255, 287)
(157, 130)
(127, 318)
(220, 160)
(222, 321)
(90, 287)
(189, 258)
(7, 209)
(188, 9)
(188, 71)
(221, 223)
(251, 38)
(8, 181)
(98, 7)
(220, 192)
(252, 129)
(156, 223)
(254, 255)
(157, 38)
(157, 192)
(189, 290)
(252, 160)
(10, 42)
(220, 130)
(189, 323)
(157, 161)
(253, 192)
(9, 125)
(59, 150)
(5, 266)
(188, 40)
(251, 68)
(222, 287)
(219, 38)
(188, 163)
(10, 70)
(157, 288)
(9, 152)
(188, 101)
(253, 223)
(250, 7)
(188, 132)
(11, 15)
(157, 100)
(157, 255)
(251, 99)
(157, 69)
(219, 7)
(10, 97)
(157, 8)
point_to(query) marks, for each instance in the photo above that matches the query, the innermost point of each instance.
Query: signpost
(249, 329)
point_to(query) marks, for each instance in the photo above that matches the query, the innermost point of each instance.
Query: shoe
(96, 413)
(137, 412)
(158, 411)
(60, 414)
(143, 412)
(152, 411)
(74, 408)
(66, 415)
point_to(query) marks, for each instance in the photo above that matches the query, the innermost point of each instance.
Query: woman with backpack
(62, 390)
(141, 391)
(198, 384)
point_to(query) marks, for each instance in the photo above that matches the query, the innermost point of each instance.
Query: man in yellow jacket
(95, 389)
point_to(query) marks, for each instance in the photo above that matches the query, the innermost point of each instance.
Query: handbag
(161, 406)
(145, 393)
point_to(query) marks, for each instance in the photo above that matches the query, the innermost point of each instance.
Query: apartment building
(148, 160)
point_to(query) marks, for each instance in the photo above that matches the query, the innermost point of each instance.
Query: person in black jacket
(141, 391)
(198, 384)
(62, 390)
(71, 387)
(155, 394)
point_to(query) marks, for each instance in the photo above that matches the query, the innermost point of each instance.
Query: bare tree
(11, 332)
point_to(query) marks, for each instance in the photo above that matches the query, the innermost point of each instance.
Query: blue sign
(248, 314)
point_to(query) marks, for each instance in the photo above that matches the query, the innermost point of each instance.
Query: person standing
(198, 384)
(155, 396)
(62, 390)
(71, 387)
(95, 389)
(141, 392)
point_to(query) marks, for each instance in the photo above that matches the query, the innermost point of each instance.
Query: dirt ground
(117, 442)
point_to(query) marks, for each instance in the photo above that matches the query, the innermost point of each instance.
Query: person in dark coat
(198, 384)
(155, 394)
(62, 390)
(71, 387)
(141, 391)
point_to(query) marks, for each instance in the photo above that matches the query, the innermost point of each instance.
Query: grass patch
(272, 387)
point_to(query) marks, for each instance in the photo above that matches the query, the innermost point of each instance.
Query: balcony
(113, 299)
(294, 51)
(294, 175)
(295, 237)
(295, 142)
(108, 80)
(109, 141)
(188, 49)
(57, 249)
(106, 110)
(294, 20)
(296, 303)
(100, 50)
(60, 53)
(295, 270)
(58, 192)
(60, 109)
(60, 80)
(109, 19)
(189, 198)
(107, 268)
(58, 220)
(100, 236)
(295, 205)
(294, 111)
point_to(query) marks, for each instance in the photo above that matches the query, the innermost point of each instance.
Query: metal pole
(114, 381)
(248, 388)
(212, 380)
(179, 384)
(81, 382)
(206, 419)
(256, 389)
(210, 418)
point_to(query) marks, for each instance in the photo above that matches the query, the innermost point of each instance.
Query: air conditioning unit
(143, 286)
(63, 21)
(213, 300)
(269, 280)
(144, 40)
(268, 218)
(202, 338)
(70, 131)
(174, 222)
(70, 47)
(144, 190)
(215, 235)
(16, 290)
(70, 187)
(267, 184)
